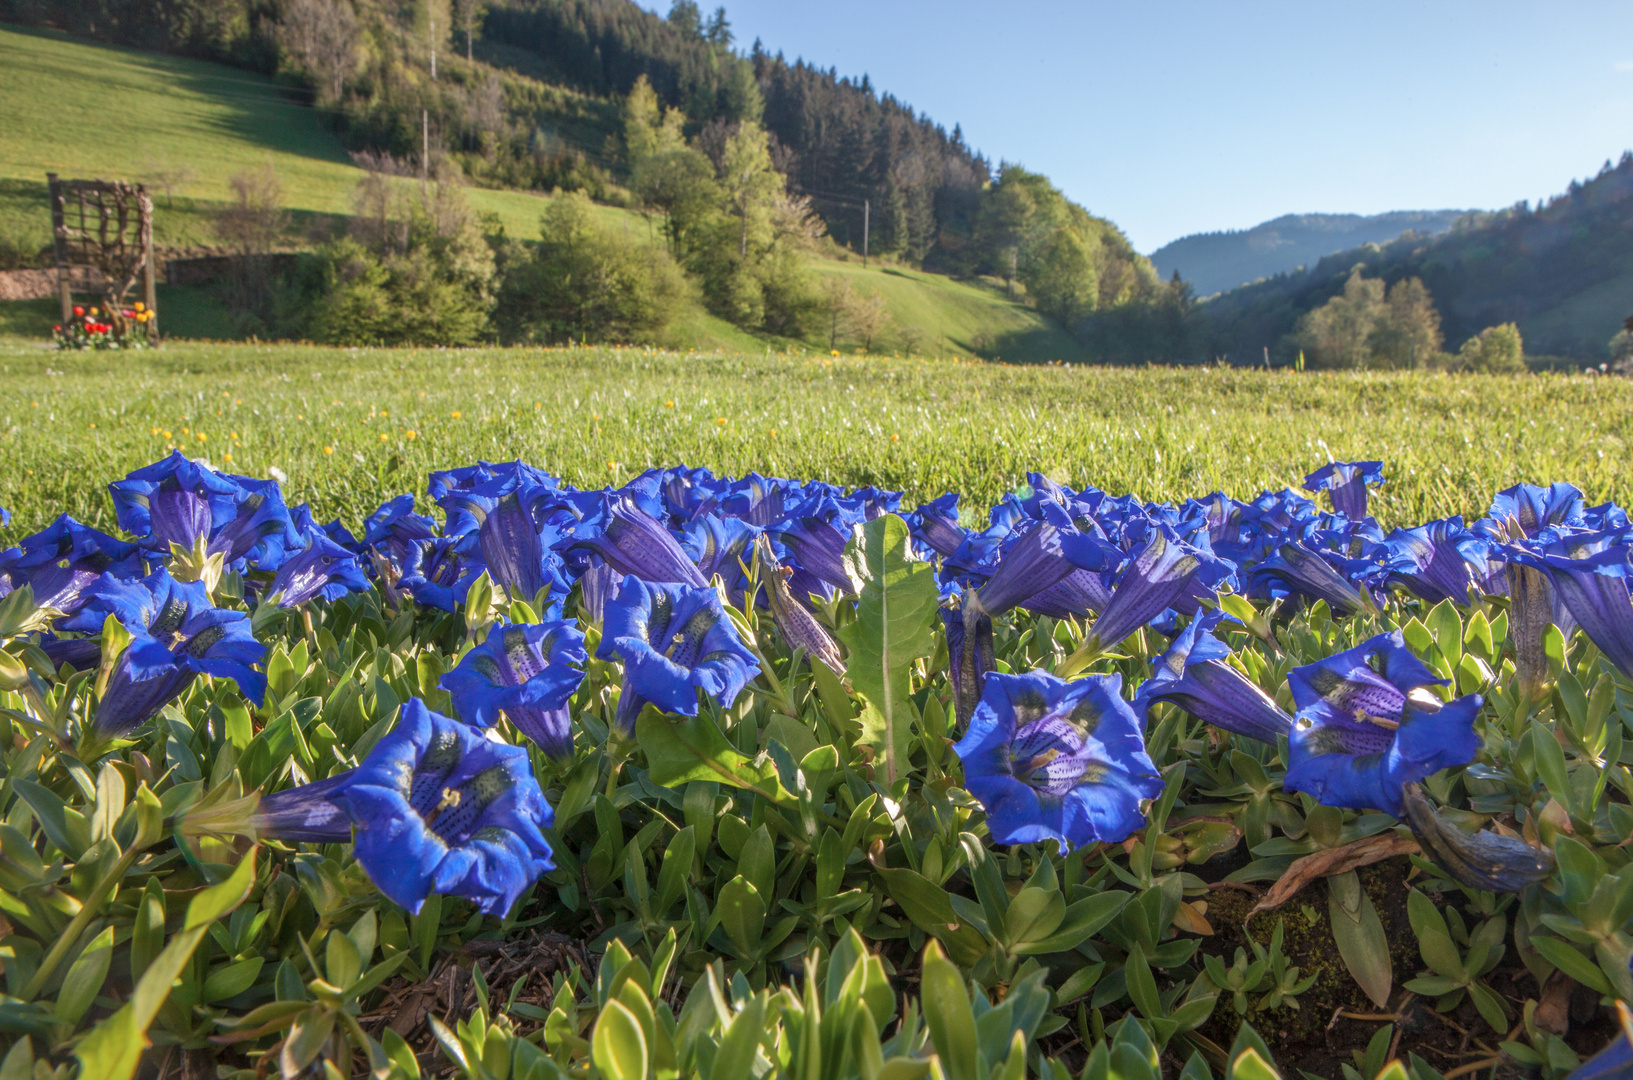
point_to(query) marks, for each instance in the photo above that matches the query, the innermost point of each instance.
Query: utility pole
(425, 153)
(866, 208)
(431, 19)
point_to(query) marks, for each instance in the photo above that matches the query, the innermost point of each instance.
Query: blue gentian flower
(674, 640)
(180, 502)
(1365, 726)
(65, 559)
(1162, 575)
(935, 524)
(1531, 509)
(1615, 1061)
(514, 547)
(320, 570)
(721, 545)
(176, 635)
(528, 672)
(438, 572)
(1443, 560)
(1299, 570)
(632, 542)
(1346, 482)
(1051, 759)
(815, 545)
(1193, 675)
(394, 528)
(438, 806)
(1594, 589)
(445, 482)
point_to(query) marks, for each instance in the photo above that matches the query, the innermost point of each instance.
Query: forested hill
(838, 140)
(1562, 271)
(1217, 261)
(538, 95)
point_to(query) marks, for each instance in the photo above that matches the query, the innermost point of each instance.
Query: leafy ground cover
(759, 777)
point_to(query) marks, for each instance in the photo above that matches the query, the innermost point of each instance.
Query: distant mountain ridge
(1562, 271)
(1218, 261)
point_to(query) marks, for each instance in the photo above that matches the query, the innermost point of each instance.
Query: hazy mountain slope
(1217, 261)
(1563, 272)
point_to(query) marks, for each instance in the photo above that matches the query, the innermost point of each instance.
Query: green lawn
(334, 420)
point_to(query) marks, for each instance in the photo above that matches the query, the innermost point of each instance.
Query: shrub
(1494, 349)
(583, 282)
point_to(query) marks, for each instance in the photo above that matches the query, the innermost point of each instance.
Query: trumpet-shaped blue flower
(180, 501)
(721, 545)
(1594, 589)
(1365, 726)
(321, 570)
(395, 528)
(633, 542)
(1051, 759)
(65, 559)
(1346, 482)
(514, 547)
(1193, 675)
(1526, 509)
(176, 635)
(528, 672)
(1164, 574)
(935, 525)
(437, 806)
(438, 572)
(674, 640)
(1299, 570)
(1443, 560)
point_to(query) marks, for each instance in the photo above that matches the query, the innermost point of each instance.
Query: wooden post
(866, 207)
(59, 240)
(150, 293)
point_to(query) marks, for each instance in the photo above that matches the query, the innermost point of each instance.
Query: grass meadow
(350, 427)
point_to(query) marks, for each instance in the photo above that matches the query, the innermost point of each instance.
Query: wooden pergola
(105, 226)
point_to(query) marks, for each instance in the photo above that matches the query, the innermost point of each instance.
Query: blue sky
(1171, 118)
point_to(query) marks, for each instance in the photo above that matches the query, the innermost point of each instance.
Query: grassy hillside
(58, 94)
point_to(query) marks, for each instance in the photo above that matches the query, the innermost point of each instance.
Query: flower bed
(754, 776)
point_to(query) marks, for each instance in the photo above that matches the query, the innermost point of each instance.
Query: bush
(1494, 349)
(582, 282)
(436, 290)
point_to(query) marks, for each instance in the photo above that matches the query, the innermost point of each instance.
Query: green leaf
(618, 1047)
(1142, 988)
(735, 1056)
(84, 979)
(1572, 963)
(931, 910)
(114, 1047)
(1359, 934)
(1083, 919)
(231, 980)
(1550, 759)
(694, 748)
(1034, 914)
(741, 911)
(895, 616)
(947, 1010)
(1250, 1066)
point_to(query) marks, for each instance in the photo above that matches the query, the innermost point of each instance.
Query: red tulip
(79, 311)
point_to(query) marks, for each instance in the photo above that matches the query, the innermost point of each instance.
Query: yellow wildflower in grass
(168, 435)
(721, 420)
(411, 435)
(895, 437)
(227, 457)
(669, 404)
(456, 414)
(201, 437)
(328, 449)
(383, 436)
